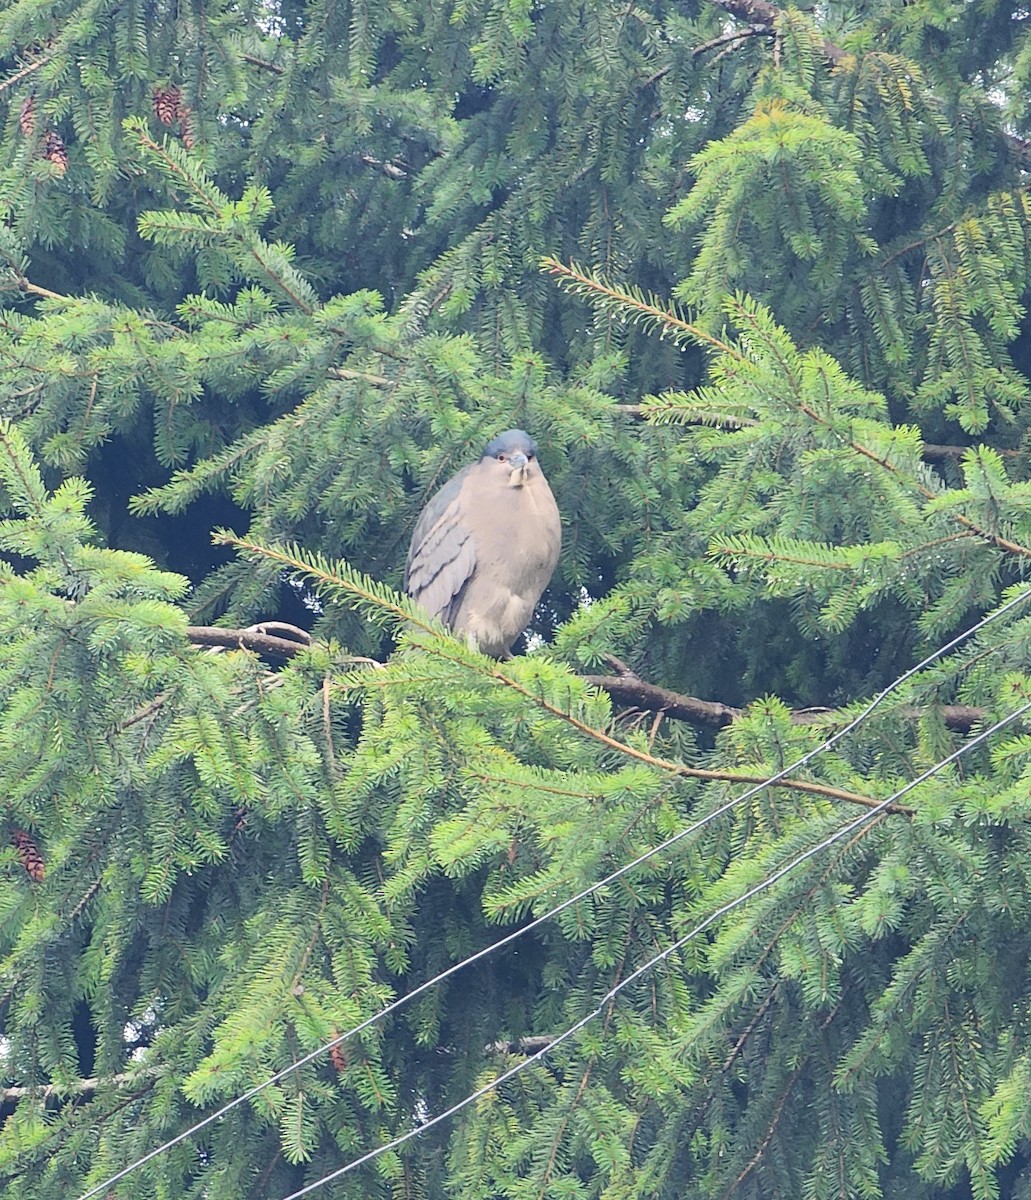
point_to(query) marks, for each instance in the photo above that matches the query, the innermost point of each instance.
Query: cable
(613, 992)
(401, 1001)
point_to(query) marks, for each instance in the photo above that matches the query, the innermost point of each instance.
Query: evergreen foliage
(277, 270)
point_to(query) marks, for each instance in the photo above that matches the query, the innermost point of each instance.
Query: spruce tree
(756, 279)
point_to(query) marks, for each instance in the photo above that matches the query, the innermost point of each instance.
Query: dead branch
(523, 1045)
(81, 1087)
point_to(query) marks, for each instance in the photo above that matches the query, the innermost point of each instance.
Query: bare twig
(363, 376)
(523, 1045)
(263, 63)
(18, 76)
(933, 452)
(82, 1087)
(386, 167)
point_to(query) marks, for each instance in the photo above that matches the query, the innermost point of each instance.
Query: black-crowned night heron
(486, 544)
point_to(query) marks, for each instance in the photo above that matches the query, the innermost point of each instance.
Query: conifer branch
(763, 15)
(986, 535)
(728, 39)
(295, 987)
(361, 587)
(523, 1045)
(361, 376)
(84, 899)
(534, 785)
(33, 289)
(935, 452)
(208, 197)
(18, 76)
(917, 244)
(750, 1028)
(665, 764)
(386, 167)
(713, 714)
(366, 592)
(771, 1130)
(176, 170)
(741, 552)
(929, 451)
(581, 283)
(291, 294)
(649, 309)
(625, 688)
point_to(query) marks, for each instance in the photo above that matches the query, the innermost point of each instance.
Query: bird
(486, 545)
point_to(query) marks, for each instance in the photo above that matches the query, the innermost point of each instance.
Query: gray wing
(442, 557)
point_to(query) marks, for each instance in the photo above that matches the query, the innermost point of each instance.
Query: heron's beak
(518, 464)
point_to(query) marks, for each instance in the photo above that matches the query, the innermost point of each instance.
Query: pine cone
(27, 120)
(29, 855)
(166, 104)
(55, 151)
(185, 127)
(337, 1056)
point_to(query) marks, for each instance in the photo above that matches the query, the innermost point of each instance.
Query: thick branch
(625, 688)
(263, 63)
(246, 639)
(629, 689)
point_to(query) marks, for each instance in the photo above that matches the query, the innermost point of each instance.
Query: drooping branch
(19, 75)
(762, 13)
(986, 535)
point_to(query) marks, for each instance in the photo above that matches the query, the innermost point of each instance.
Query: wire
(401, 1001)
(612, 993)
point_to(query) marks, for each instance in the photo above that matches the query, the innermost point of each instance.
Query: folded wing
(442, 556)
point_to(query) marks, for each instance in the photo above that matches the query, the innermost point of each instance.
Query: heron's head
(516, 453)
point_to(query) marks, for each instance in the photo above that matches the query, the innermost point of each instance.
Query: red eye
(501, 458)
